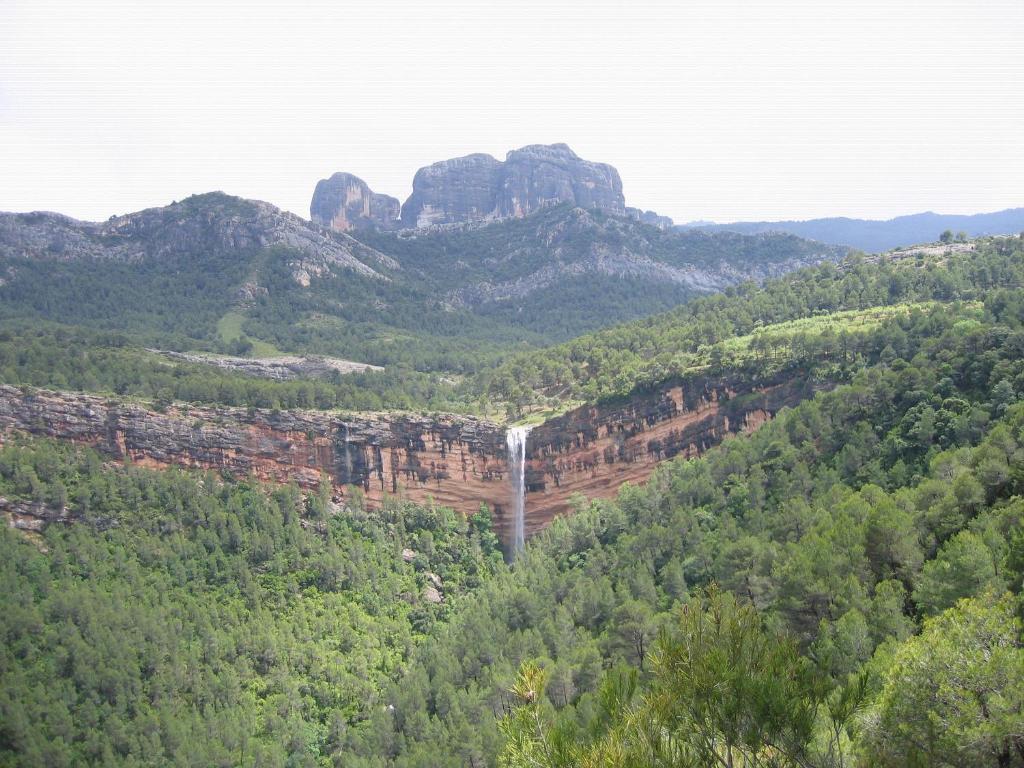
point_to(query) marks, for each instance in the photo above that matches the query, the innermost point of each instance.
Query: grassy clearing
(229, 328)
(851, 321)
(741, 349)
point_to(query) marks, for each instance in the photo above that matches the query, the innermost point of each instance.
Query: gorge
(525, 476)
(361, 407)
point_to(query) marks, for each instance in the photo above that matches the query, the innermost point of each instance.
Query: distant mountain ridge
(216, 272)
(881, 235)
(562, 244)
(213, 223)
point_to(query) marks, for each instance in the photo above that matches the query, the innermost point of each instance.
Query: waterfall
(348, 459)
(515, 439)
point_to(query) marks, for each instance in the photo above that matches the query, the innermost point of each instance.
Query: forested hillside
(184, 620)
(844, 525)
(563, 271)
(216, 272)
(461, 453)
(61, 357)
(840, 587)
(749, 327)
(706, 330)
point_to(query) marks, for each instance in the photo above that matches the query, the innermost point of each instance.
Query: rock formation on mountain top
(345, 202)
(478, 188)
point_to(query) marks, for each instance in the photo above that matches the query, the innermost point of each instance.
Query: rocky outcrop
(541, 175)
(460, 462)
(44, 235)
(564, 244)
(453, 191)
(650, 218)
(480, 188)
(32, 516)
(345, 202)
(456, 461)
(280, 368)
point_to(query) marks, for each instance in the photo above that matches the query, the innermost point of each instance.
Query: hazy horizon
(715, 111)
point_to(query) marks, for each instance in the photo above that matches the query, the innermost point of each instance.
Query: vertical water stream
(515, 439)
(348, 459)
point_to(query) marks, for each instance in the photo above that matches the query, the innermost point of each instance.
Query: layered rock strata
(456, 461)
(593, 450)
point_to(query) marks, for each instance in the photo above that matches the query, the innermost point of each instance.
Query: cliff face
(460, 462)
(344, 202)
(480, 188)
(456, 460)
(540, 175)
(595, 449)
(452, 191)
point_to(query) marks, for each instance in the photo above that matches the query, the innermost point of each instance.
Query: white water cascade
(515, 439)
(348, 459)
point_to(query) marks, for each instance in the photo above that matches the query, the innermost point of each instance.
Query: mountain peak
(543, 151)
(208, 223)
(478, 187)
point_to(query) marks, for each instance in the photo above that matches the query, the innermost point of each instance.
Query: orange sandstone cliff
(456, 461)
(593, 450)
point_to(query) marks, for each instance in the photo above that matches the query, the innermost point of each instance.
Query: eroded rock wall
(593, 450)
(457, 461)
(454, 191)
(479, 187)
(345, 202)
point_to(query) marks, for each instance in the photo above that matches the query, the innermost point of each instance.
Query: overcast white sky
(717, 110)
